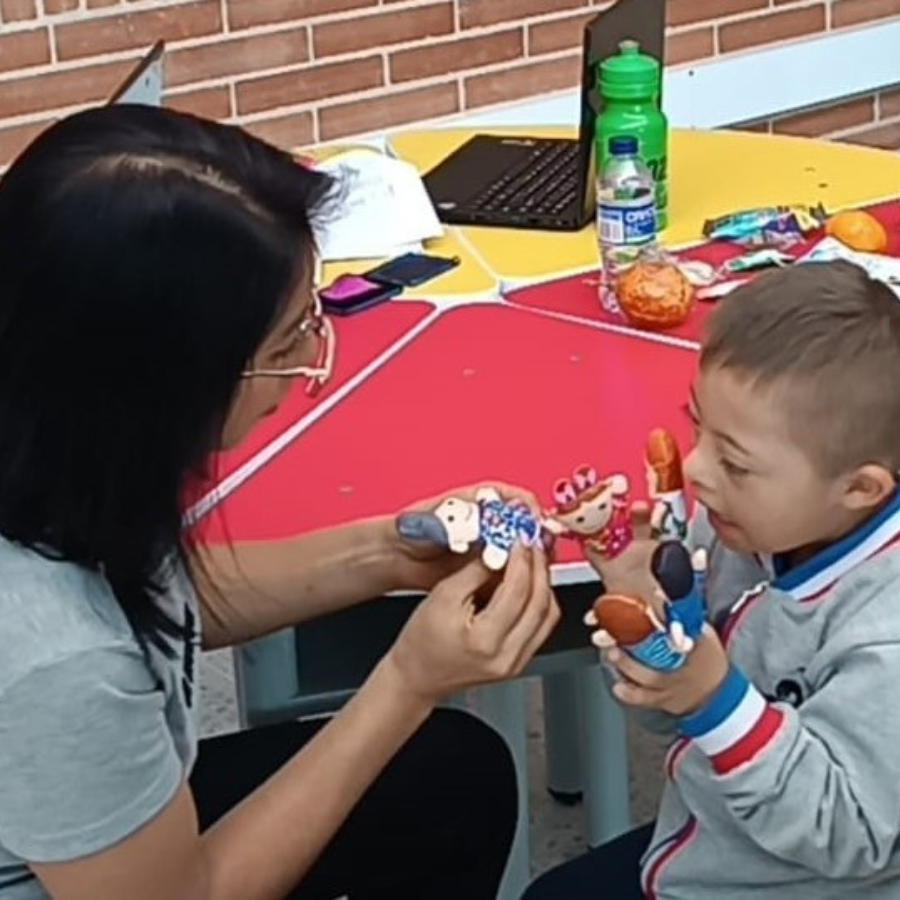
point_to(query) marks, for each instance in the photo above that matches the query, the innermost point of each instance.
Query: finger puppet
(682, 578)
(594, 511)
(665, 486)
(633, 625)
(488, 520)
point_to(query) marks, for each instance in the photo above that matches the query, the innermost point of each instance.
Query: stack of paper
(381, 208)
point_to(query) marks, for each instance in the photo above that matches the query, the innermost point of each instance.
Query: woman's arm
(254, 588)
(264, 847)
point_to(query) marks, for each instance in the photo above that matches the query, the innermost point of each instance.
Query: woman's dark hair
(144, 256)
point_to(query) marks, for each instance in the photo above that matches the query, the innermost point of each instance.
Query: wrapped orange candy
(655, 294)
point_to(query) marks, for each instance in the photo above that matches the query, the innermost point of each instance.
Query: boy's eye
(731, 469)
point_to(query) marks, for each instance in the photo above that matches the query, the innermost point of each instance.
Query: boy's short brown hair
(825, 338)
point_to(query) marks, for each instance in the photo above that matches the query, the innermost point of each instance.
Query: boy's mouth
(719, 522)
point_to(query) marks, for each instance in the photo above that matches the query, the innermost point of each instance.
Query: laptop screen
(144, 83)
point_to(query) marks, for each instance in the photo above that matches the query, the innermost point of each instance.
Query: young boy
(784, 774)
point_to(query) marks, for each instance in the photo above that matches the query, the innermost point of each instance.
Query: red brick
(17, 10)
(854, 12)
(308, 85)
(97, 4)
(828, 119)
(288, 132)
(363, 116)
(779, 26)
(885, 136)
(108, 34)
(686, 46)
(382, 29)
(565, 33)
(22, 49)
(753, 127)
(237, 56)
(890, 103)
(686, 12)
(51, 7)
(475, 13)
(15, 138)
(517, 82)
(211, 102)
(248, 13)
(54, 90)
(455, 56)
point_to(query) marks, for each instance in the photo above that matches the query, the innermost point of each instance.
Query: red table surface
(486, 392)
(576, 295)
(360, 340)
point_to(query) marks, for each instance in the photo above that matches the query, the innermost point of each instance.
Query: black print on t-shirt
(188, 670)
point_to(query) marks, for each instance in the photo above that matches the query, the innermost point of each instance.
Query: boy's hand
(681, 692)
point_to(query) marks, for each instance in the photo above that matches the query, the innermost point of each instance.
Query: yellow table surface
(711, 173)
(469, 281)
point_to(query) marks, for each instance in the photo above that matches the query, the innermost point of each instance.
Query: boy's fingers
(640, 519)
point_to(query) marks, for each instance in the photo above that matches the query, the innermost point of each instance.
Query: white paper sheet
(382, 208)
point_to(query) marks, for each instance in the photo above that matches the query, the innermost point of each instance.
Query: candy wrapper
(489, 521)
(881, 267)
(773, 226)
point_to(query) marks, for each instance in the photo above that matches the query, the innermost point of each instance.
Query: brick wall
(873, 119)
(301, 71)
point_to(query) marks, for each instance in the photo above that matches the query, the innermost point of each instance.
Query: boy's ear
(868, 486)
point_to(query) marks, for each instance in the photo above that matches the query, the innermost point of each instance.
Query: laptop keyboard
(544, 183)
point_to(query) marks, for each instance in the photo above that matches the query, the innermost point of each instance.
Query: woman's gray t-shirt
(96, 734)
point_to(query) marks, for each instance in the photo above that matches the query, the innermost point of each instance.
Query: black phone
(412, 269)
(349, 294)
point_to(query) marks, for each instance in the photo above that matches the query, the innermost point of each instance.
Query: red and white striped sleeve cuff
(735, 725)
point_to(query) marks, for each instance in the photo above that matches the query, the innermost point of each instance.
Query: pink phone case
(348, 288)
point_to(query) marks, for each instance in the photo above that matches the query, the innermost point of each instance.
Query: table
(520, 385)
(711, 172)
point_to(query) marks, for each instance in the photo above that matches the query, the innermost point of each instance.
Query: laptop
(543, 183)
(145, 82)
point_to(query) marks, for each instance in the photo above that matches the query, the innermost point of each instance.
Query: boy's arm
(818, 786)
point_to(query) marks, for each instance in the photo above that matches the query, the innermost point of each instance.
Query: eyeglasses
(314, 323)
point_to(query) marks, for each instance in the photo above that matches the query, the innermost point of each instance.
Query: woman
(156, 299)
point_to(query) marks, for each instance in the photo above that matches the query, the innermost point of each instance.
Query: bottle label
(634, 224)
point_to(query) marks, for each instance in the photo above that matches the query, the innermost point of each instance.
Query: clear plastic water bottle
(626, 214)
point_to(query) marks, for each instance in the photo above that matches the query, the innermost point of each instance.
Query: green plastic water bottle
(630, 84)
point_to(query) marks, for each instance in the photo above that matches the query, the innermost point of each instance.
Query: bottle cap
(630, 74)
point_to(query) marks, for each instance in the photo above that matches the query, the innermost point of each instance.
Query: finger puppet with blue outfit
(489, 521)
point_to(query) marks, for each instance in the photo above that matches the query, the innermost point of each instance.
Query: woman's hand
(452, 641)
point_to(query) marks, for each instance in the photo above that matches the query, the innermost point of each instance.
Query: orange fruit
(858, 230)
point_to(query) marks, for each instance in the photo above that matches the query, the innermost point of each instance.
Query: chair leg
(503, 707)
(561, 730)
(606, 757)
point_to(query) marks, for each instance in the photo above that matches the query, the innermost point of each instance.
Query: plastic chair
(316, 668)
